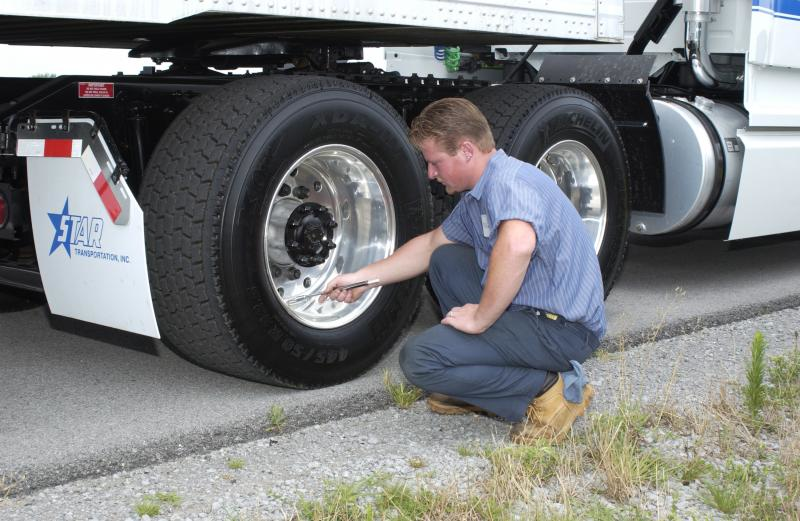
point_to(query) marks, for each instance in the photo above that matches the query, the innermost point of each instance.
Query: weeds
(693, 470)
(613, 442)
(151, 504)
(7, 486)
(518, 470)
(539, 461)
(235, 463)
(147, 507)
(340, 502)
(377, 497)
(600, 512)
(755, 390)
(401, 395)
(466, 452)
(789, 474)
(784, 377)
(170, 498)
(417, 463)
(655, 332)
(276, 419)
(742, 489)
(736, 468)
(403, 502)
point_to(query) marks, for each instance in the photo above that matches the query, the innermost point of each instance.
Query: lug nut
(307, 282)
(301, 192)
(294, 273)
(317, 186)
(285, 190)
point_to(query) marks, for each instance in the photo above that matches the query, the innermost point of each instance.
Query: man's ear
(468, 149)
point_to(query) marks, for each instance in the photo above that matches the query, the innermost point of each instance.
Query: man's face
(447, 169)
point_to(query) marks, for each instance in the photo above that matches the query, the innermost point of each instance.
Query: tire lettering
(360, 121)
(319, 121)
(590, 124)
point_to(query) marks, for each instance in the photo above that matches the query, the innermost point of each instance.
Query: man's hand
(466, 319)
(333, 291)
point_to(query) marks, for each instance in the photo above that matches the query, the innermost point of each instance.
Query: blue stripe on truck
(787, 9)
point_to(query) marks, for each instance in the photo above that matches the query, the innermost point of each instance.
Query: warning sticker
(89, 89)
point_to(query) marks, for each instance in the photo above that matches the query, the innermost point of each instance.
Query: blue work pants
(502, 369)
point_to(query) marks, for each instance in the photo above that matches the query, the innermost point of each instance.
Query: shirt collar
(493, 164)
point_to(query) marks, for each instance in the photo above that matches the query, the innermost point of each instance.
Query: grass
(517, 471)
(784, 377)
(693, 470)
(614, 446)
(7, 486)
(276, 419)
(378, 497)
(742, 490)
(417, 463)
(466, 451)
(147, 507)
(170, 498)
(402, 396)
(612, 469)
(789, 459)
(601, 512)
(539, 461)
(755, 390)
(151, 504)
(235, 463)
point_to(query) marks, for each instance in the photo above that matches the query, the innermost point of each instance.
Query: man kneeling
(516, 277)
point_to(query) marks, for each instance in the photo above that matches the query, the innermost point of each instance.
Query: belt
(546, 314)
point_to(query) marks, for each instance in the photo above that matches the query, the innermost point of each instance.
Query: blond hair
(449, 121)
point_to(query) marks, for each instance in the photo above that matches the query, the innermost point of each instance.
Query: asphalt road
(78, 400)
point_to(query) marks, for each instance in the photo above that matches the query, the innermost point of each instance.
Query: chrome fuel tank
(702, 165)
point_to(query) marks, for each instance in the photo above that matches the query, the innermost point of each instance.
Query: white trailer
(194, 204)
(728, 116)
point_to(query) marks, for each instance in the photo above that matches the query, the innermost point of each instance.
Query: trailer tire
(229, 219)
(535, 123)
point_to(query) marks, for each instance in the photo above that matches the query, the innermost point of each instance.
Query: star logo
(63, 229)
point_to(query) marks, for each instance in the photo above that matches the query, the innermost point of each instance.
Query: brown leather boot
(443, 404)
(550, 415)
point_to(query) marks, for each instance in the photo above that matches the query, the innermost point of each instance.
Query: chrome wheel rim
(575, 169)
(332, 194)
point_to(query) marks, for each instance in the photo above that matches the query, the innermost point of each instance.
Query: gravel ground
(282, 468)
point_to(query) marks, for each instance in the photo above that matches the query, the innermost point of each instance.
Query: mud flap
(88, 229)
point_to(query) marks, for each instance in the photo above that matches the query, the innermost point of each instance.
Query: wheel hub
(576, 170)
(309, 234)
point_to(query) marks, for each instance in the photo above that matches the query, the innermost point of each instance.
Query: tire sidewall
(274, 338)
(577, 118)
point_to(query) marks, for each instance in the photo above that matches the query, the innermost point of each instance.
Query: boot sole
(443, 408)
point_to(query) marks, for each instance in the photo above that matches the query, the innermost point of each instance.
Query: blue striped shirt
(563, 276)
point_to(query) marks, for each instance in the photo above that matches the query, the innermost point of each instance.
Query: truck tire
(264, 190)
(572, 138)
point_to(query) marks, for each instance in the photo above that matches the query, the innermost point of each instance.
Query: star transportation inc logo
(75, 230)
